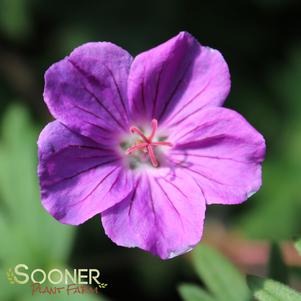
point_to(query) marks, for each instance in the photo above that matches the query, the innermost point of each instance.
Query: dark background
(260, 40)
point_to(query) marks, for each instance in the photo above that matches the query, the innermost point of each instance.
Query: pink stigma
(147, 145)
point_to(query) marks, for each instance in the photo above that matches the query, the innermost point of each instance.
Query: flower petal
(223, 152)
(176, 79)
(164, 215)
(87, 90)
(78, 177)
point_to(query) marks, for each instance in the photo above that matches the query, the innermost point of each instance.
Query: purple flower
(145, 143)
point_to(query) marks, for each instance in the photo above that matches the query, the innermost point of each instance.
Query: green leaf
(192, 292)
(298, 246)
(277, 268)
(270, 290)
(220, 276)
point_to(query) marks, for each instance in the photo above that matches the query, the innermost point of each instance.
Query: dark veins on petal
(142, 91)
(89, 147)
(157, 89)
(187, 154)
(201, 126)
(93, 124)
(169, 100)
(170, 201)
(175, 186)
(89, 76)
(133, 196)
(153, 209)
(82, 172)
(116, 180)
(117, 89)
(185, 165)
(202, 191)
(95, 188)
(189, 103)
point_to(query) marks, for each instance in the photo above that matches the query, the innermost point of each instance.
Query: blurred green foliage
(225, 282)
(271, 290)
(298, 246)
(280, 195)
(15, 18)
(277, 267)
(221, 278)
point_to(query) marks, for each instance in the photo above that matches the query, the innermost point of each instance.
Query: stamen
(162, 143)
(137, 131)
(136, 147)
(152, 155)
(154, 129)
(147, 144)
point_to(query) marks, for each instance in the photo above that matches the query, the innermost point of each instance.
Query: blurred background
(260, 40)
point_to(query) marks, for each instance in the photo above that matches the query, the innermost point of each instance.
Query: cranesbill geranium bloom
(145, 143)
